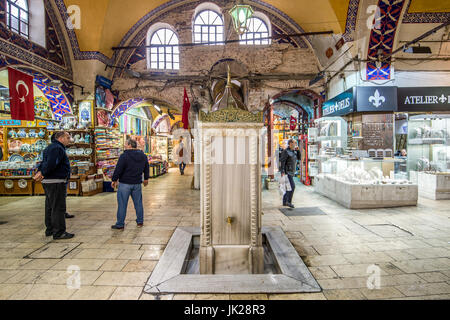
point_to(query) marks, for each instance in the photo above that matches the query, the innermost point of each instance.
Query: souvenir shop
(98, 140)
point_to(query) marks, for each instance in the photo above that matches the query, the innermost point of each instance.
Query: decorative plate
(22, 183)
(71, 151)
(80, 151)
(9, 184)
(15, 158)
(25, 148)
(88, 151)
(29, 157)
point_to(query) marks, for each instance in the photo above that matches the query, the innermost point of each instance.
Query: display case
(428, 150)
(365, 183)
(160, 147)
(332, 136)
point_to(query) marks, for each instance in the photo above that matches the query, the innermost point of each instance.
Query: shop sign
(104, 82)
(340, 105)
(20, 123)
(7, 123)
(424, 99)
(376, 99)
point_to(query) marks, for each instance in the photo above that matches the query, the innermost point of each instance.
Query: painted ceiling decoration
(58, 100)
(55, 59)
(77, 53)
(122, 107)
(382, 39)
(427, 17)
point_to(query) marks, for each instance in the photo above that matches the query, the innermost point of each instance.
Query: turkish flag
(186, 107)
(21, 94)
(293, 123)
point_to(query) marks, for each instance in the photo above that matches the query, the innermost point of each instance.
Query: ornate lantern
(241, 14)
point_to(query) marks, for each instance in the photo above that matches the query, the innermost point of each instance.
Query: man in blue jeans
(132, 164)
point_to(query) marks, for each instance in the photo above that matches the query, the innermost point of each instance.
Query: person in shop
(401, 153)
(288, 165)
(181, 156)
(53, 173)
(67, 215)
(132, 164)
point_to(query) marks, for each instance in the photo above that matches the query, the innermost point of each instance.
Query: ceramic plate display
(25, 148)
(88, 151)
(9, 184)
(71, 151)
(16, 158)
(22, 183)
(80, 151)
(29, 157)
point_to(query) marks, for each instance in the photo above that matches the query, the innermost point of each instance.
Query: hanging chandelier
(241, 15)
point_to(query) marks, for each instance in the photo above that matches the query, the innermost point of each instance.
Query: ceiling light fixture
(241, 15)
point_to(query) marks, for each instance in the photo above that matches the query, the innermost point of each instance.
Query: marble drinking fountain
(231, 252)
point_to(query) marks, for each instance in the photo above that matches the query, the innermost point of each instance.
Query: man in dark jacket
(288, 160)
(128, 176)
(67, 215)
(54, 172)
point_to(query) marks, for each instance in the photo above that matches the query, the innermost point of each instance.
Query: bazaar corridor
(410, 245)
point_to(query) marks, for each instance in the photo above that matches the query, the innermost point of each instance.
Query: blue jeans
(287, 198)
(182, 166)
(123, 194)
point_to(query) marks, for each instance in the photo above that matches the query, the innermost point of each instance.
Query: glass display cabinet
(365, 183)
(428, 150)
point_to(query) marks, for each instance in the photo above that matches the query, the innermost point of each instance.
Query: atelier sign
(424, 99)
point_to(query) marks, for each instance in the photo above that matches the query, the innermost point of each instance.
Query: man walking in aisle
(132, 164)
(181, 155)
(54, 172)
(288, 159)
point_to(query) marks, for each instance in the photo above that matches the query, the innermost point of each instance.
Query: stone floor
(345, 249)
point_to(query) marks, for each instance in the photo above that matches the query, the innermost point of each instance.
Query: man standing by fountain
(132, 164)
(288, 159)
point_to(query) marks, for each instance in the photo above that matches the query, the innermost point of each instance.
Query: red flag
(293, 123)
(21, 94)
(186, 107)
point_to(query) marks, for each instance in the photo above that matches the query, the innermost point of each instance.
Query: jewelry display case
(429, 154)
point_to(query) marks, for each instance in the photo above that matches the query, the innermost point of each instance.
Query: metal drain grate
(307, 211)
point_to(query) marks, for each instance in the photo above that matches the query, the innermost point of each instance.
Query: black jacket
(288, 161)
(130, 167)
(55, 163)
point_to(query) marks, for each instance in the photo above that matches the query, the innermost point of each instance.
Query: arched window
(164, 50)
(17, 17)
(257, 30)
(208, 27)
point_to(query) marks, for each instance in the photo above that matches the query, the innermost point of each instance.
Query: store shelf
(330, 138)
(421, 141)
(105, 109)
(105, 159)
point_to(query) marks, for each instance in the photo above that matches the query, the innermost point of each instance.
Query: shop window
(208, 27)
(164, 52)
(258, 29)
(17, 17)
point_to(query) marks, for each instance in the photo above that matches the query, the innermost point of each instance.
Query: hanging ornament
(241, 15)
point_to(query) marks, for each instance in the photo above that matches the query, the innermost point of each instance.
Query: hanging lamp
(241, 15)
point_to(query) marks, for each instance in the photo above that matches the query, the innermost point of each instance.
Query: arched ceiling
(104, 23)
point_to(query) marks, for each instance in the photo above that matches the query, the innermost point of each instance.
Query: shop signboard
(340, 105)
(104, 82)
(424, 99)
(21, 123)
(376, 99)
